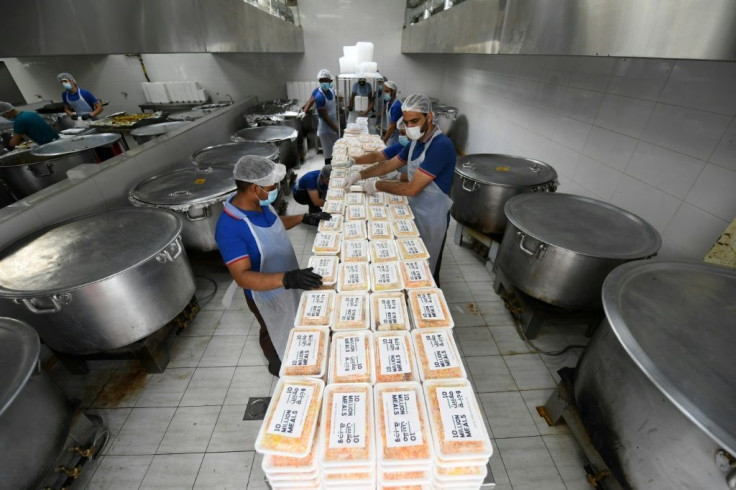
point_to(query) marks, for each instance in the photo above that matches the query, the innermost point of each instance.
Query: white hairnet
(5, 107)
(259, 170)
(417, 103)
(391, 84)
(400, 124)
(324, 73)
(68, 76)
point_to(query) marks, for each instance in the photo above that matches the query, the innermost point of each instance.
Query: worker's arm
(97, 109)
(352, 101)
(389, 132)
(323, 114)
(410, 188)
(309, 104)
(370, 103)
(403, 177)
(291, 221)
(68, 110)
(382, 168)
(15, 140)
(314, 197)
(371, 157)
(255, 281)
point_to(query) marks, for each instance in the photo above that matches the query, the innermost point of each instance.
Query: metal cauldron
(147, 133)
(282, 136)
(27, 174)
(230, 153)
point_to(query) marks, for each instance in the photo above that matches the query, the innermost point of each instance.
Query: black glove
(74, 117)
(314, 218)
(302, 279)
(85, 117)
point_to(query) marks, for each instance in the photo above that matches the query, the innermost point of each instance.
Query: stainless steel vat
(230, 153)
(656, 386)
(99, 281)
(147, 133)
(284, 137)
(559, 248)
(102, 146)
(27, 174)
(35, 415)
(484, 182)
(196, 194)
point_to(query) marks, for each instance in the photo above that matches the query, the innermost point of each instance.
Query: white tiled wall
(656, 137)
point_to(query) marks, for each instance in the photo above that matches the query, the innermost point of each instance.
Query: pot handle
(205, 215)
(522, 237)
(57, 301)
(473, 189)
(167, 256)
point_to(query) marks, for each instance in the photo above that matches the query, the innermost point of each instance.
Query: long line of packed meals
(398, 411)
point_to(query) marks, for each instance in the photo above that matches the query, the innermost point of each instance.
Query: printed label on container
(430, 306)
(354, 198)
(351, 356)
(378, 212)
(394, 355)
(356, 212)
(389, 311)
(401, 211)
(333, 223)
(353, 229)
(324, 266)
(394, 199)
(353, 274)
(303, 351)
(412, 247)
(458, 420)
(438, 350)
(355, 248)
(379, 228)
(291, 411)
(316, 305)
(404, 226)
(325, 240)
(384, 250)
(351, 308)
(333, 207)
(401, 414)
(385, 274)
(337, 182)
(348, 420)
(375, 199)
(415, 271)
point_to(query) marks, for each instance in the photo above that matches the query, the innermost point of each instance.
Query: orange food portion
(312, 369)
(470, 448)
(352, 378)
(442, 373)
(301, 444)
(382, 377)
(347, 454)
(404, 453)
(416, 308)
(409, 279)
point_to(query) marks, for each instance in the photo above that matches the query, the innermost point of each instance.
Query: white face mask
(414, 132)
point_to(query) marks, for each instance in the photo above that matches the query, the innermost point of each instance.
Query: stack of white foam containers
(358, 60)
(168, 92)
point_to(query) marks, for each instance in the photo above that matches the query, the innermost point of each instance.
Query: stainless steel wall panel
(171, 26)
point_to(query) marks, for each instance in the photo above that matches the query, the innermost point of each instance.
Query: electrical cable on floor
(206, 299)
(537, 350)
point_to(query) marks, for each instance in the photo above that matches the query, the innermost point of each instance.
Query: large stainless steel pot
(35, 415)
(101, 145)
(282, 136)
(99, 281)
(656, 386)
(147, 133)
(27, 174)
(559, 248)
(196, 194)
(230, 153)
(484, 182)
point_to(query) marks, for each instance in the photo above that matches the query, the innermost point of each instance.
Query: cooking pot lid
(583, 225)
(158, 129)
(230, 153)
(66, 146)
(186, 186)
(19, 351)
(84, 250)
(504, 170)
(189, 115)
(267, 134)
(677, 321)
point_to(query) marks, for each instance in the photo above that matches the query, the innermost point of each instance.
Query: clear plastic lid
(327, 243)
(437, 354)
(339, 174)
(412, 249)
(460, 473)
(336, 182)
(335, 195)
(292, 417)
(380, 230)
(355, 251)
(394, 199)
(325, 266)
(416, 274)
(333, 207)
(377, 198)
(332, 225)
(388, 311)
(394, 359)
(428, 308)
(404, 228)
(354, 230)
(402, 426)
(347, 426)
(306, 352)
(353, 276)
(351, 357)
(355, 212)
(400, 211)
(383, 251)
(385, 276)
(352, 311)
(355, 198)
(281, 465)
(458, 428)
(315, 309)
(377, 212)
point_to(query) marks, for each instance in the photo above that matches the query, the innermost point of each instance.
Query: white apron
(277, 306)
(327, 136)
(79, 106)
(430, 207)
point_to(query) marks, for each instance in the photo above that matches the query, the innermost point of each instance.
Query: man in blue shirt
(78, 103)
(325, 100)
(362, 89)
(391, 114)
(311, 188)
(27, 125)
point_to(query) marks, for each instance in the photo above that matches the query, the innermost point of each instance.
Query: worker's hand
(351, 161)
(301, 114)
(314, 218)
(85, 117)
(351, 179)
(74, 117)
(369, 187)
(302, 279)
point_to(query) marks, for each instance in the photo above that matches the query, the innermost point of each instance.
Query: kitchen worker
(78, 103)
(430, 165)
(378, 98)
(257, 251)
(387, 153)
(26, 125)
(309, 104)
(326, 102)
(311, 188)
(361, 88)
(391, 113)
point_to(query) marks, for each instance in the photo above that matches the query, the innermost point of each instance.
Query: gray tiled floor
(184, 428)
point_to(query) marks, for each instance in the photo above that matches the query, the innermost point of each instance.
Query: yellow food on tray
(412, 249)
(401, 418)
(388, 311)
(351, 357)
(306, 352)
(416, 274)
(347, 427)
(289, 464)
(394, 357)
(429, 308)
(124, 120)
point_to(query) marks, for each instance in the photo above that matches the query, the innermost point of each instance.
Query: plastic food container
(394, 357)
(385, 276)
(325, 266)
(326, 243)
(347, 428)
(457, 427)
(355, 212)
(377, 198)
(280, 466)
(400, 211)
(352, 311)
(460, 473)
(394, 199)
(380, 230)
(412, 249)
(388, 311)
(354, 230)
(355, 198)
(315, 309)
(404, 228)
(355, 251)
(437, 355)
(351, 357)
(336, 183)
(339, 174)
(334, 207)
(428, 308)
(306, 352)
(383, 251)
(333, 224)
(335, 195)
(416, 274)
(408, 475)
(291, 419)
(403, 435)
(377, 212)
(353, 276)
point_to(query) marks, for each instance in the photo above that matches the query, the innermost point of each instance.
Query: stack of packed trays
(290, 472)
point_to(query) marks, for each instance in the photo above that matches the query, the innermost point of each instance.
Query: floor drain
(256, 408)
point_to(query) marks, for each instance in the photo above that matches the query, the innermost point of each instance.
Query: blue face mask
(325, 85)
(386, 97)
(272, 195)
(403, 139)
(67, 86)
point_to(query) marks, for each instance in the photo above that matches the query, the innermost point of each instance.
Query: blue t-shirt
(235, 240)
(35, 127)
(320, 99)
(395, 112)
(310, 181)
(392, 151)
(439, 161)
(68, 97)
(363, 90)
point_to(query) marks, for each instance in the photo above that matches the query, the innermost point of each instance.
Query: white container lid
(355, 251)
(354, 230)
(377, 212)
(306, 352)
(437, 354)
(335, 195)
(385, 277)
(332, 225)
(416, 274)
(327, 243)
(325, 266)
(400, 211)
(404, 228)
(315, 484)
(383, 251)
(402, 487)
(380, 230)
(348, 437)
(412, 249)
(316, 309)
(405, 476)
(462, 474)
(394, 199)
(353, 277)
(280, 465)
(355, 197)
(352, 311)
(394, 359)
(333, 207)
(377, 198)
(355, 212)
(388, 312)
(428, 308)
(351, 357)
